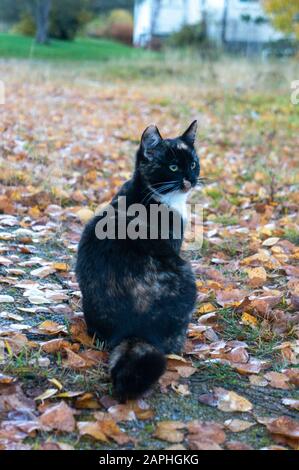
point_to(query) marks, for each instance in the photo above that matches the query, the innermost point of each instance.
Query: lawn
(81, 49)
(68, 139)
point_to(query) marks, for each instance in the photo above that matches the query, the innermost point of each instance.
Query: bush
(188, 35)
(117, 25)
(66, 18)
(25, 26)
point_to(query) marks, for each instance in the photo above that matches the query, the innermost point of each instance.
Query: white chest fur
(177, 201)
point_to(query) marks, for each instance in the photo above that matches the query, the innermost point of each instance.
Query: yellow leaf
(248, 319)
(257, 276)
(61, 266)
(85, 215)
(206, 308)
(47, 394)
(56, 383)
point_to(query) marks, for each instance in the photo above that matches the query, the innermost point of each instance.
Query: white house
(229, 21)
(160, 18)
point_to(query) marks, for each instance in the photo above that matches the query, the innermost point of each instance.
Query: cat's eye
(173, 167)
(193, 165)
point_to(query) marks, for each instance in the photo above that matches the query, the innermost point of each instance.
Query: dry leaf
(229, 401)
(237, 425)
(278, 380)
(58, 417)
(170, 431)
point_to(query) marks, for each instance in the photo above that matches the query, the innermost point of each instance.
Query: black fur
(137, 367)
(138, 295)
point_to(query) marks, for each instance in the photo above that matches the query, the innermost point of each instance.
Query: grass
(261, 340)
(81, 49)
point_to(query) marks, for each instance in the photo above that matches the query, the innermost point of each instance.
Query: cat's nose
(186, 185)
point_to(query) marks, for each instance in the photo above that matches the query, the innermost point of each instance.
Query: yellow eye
(193, 165)
(173, 167)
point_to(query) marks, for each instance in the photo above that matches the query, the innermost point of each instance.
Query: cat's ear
(190, 134)
(151, 137)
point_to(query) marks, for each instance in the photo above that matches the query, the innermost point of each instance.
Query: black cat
(138, 294)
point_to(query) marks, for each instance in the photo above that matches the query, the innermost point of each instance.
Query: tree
(42, 11)
(284, 15)
(224, 21)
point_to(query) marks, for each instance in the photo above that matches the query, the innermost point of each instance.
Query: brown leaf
(236, 445)
(88, 401)
(170, 431)
(58, 345)
(293, 375)
(93, 429)
(252, 367)
(200, 431)
(74, 361)
(278, 380)
(230, 297)
(229, 401)
(265, 303)
(237, 425)
(12, 398)
(79, 333)
(50, 327)
(284, 426)
(6, 379)
(257, 276)
(103, 429)
(58, 417)
(169, 378)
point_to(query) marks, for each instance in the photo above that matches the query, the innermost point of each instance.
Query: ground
(69, 135)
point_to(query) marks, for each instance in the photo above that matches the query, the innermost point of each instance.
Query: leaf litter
(246, 321)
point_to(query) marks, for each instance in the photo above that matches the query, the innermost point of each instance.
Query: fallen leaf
(6, 379)
(278, 380)
(170, 431)
(248, 319)
(6, 298)
(50, 327)
(284, 426)
(103, 430)
(50, 392)
(236, 445)
(230, 297)
(237, 425)
(291, 403)
(88, 401)
(229, 401)
(257, 276)
(59, 417)
(42, 272)
(270, 241)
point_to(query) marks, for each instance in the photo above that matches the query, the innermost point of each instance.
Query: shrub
(117, 25)
(188, 35)
(67, 17)
(25, 25)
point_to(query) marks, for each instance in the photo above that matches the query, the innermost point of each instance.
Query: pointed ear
(151, 137)
(190, 134)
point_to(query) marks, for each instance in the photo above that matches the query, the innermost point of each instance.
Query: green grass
(81, 49)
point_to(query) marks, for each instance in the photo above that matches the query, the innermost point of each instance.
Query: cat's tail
(135, 366)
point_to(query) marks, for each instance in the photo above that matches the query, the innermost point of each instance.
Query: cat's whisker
(163, 183)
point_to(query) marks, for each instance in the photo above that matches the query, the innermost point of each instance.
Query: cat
(138, 295)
